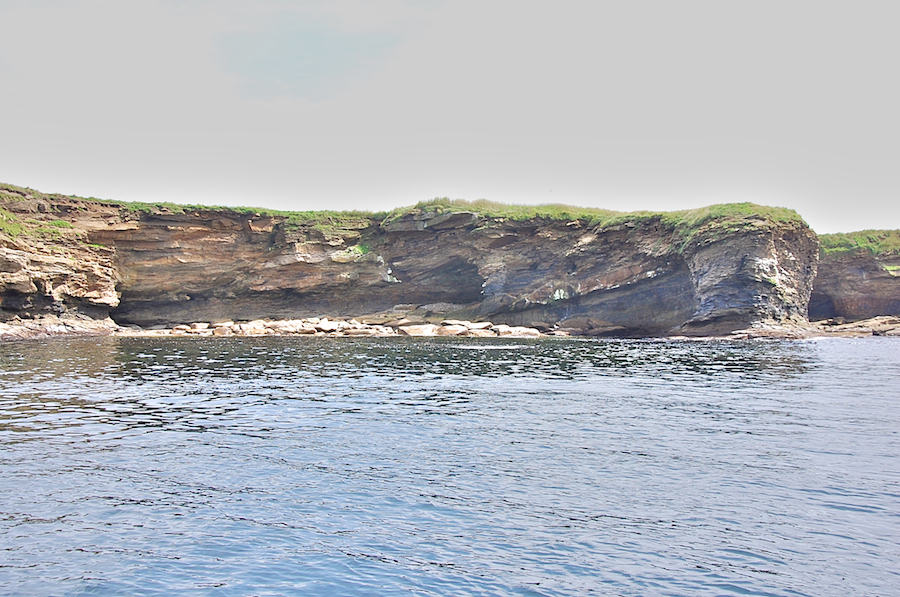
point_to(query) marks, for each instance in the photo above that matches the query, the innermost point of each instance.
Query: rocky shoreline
(51, 326)
(333, 328)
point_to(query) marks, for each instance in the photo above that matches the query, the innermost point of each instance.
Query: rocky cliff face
(856, 285)
(634, 277)
(46, 263)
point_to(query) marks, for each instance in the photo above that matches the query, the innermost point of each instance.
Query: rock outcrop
(47, 264)
(855, 285)
(883, 325)
(629, 275)
(315, 326)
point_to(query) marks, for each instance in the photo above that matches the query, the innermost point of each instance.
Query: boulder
(397, 323)
(330, 326)
(451, 330)
(427, 329)
(291, 326)
(516, 331)
(252, 328)
(477, 333)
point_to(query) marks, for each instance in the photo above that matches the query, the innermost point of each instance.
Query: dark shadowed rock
(856, 285)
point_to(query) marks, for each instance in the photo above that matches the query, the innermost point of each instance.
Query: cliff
(859, 276)
(700, 272)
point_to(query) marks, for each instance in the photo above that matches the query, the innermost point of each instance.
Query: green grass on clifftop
(877, 242)
(594, 216)
(716, 221)
(510, 211)
(711, 221)
(9, 224)
(314, 218)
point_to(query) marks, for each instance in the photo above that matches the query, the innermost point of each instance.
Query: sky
(376, 104)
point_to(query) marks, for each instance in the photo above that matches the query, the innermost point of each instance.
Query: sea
(449, 466)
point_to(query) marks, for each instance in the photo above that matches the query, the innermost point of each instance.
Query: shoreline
(52, 326)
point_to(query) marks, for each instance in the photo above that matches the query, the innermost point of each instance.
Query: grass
(17, 193)
(9, 225)
(11, 192)
(162, 206)
(329, 223)
(726, 218)
(876, 242)
(691, 218)
(347, 220)
(291, 217)
(60, 224)
(685, 225)
(509, 211)
(46, 232)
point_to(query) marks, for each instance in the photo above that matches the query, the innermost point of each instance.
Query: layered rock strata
(640, 276)
(856, 285)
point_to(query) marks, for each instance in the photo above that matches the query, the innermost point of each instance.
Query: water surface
(315, 466)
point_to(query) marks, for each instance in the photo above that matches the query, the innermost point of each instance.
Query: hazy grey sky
(373, 104)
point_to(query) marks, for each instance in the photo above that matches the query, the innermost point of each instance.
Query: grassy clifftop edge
(876, 242)
(714, 219)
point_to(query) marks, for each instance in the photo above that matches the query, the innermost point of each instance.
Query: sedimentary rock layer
(632, 276)
(627, 279)
(855, 285)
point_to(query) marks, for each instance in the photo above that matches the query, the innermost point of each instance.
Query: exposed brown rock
(52, 326)
(856, 285)
(884, 325)
(219, 265)
(451, 330)
(428, 329)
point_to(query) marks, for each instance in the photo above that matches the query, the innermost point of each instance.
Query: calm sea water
(312, 466)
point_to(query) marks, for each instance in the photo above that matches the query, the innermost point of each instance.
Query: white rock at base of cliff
(51, 326)
(451, 330)
(428, 329)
